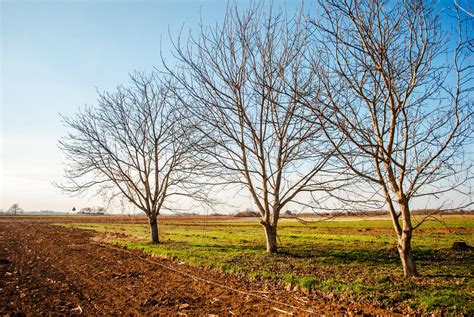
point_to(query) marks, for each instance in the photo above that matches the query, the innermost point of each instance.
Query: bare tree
(132, 145)
(242, 80)
(403, 109)
(15, 208)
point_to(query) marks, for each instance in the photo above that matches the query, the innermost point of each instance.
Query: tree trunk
(404, 238)
(154, 231)
(406, 254)
(271, 237)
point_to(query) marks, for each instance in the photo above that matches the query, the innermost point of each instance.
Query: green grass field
(353, 260)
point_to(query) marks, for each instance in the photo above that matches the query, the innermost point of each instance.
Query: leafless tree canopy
(291, 108)
(244, 81)
(132, 145)
(404, 111)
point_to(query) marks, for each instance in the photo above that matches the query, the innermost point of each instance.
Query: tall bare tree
(404, 111)
(243, 80)
(132, 145)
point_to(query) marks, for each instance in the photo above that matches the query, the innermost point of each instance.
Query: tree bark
(154, 231)
(271, 238)
(406, 254)
(404, 239)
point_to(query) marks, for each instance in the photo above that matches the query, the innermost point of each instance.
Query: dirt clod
(460, 246)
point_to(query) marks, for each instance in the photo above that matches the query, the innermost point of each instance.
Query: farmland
(347, 259)
(360, 111)
(347, 262)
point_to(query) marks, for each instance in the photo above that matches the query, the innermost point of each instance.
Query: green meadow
(352, 260)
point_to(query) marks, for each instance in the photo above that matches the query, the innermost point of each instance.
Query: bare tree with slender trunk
(133, 145)
(243, 80)
(403, 109)
(15, 208)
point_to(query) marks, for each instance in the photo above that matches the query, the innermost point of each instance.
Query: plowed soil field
(51, 270)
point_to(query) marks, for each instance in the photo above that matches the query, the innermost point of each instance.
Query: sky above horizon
(55, 55)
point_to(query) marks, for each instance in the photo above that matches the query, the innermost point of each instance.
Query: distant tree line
(92, 211)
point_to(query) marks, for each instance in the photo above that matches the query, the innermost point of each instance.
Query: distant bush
(96, 211)
(247, 213)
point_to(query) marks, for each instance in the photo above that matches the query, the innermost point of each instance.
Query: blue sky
(54, 55)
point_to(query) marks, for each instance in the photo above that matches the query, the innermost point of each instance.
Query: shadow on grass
(341, 256)
(447, 275)
(324, 256)
(366, 256)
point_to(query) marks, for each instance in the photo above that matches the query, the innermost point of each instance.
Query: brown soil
(46, 269)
